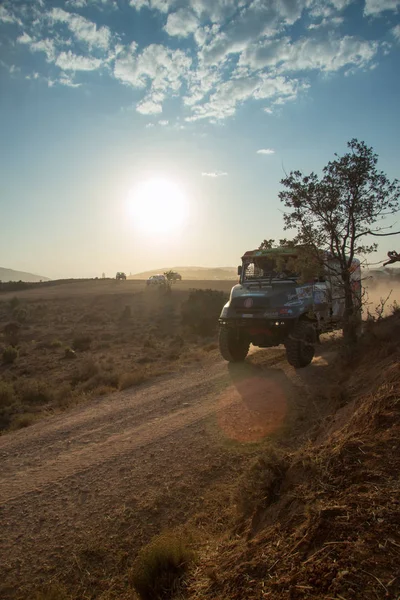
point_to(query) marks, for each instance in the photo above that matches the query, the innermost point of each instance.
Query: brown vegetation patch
(324, 520)
(74, 343)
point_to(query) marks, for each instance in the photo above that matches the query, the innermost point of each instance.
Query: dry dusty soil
(81, 491)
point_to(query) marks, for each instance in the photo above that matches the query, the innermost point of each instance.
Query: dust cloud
(381, 296)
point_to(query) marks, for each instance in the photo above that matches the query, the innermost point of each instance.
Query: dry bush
(201, 310)
(82, 342)
(20, 314)
(7, 394)
(22, 420)
(34, 391)
(10, 355)
(11, 333)
(127, 380)
(159, 569)
(87, 369)
(259, 487)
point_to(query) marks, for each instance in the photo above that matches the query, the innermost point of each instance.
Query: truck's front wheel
(300, 345)
(233, 345)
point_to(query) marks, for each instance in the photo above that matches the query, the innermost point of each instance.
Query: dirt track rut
(138, 460)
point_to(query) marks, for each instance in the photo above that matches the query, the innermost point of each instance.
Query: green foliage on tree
(337, 211)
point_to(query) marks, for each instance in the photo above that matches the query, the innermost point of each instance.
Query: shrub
(82, 342)
(69, 353)
(201, 310)
(11, 331)
(7, 394)
(86, 370)
(10, 355)
(127, 380)
(14, 302)
(160, 567)
(20, 314)
(21, 421)
(126, 314)
(33, 391)
(100, 380)
(56, 344)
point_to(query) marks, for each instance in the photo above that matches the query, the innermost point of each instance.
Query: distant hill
(11, 275)
(195, 273)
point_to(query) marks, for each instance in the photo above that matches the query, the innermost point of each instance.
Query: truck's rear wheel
(300, 345)
(233, 346)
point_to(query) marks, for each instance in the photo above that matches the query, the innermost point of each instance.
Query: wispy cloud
(73, 62)
(7, 17)
(181, 23)
(396, 32)
(225, 53)
(266, 151)
(375, 7)
(83, 29)
(214, 174)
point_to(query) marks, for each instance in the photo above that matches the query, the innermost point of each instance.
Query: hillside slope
(326, 523)
(196, 273)
(11, 275)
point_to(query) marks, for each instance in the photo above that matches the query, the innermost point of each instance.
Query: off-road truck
(271, 306)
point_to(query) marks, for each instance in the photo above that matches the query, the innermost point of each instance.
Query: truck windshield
(267, 269)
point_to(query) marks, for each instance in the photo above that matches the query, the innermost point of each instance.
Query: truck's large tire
(233, 347)
(300, 347)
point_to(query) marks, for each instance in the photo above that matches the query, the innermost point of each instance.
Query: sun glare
(157, 206)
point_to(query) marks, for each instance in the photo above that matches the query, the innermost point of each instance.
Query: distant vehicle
(271, 306)
(173, 276)
(120, 276)
(157, 280)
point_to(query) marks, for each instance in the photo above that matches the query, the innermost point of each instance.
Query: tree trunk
(350, 322)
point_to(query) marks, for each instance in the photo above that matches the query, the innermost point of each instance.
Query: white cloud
(149, 125)
(76, 3)
(181, 23)
(266, 151)
(7, 17)
(67, 81)
(149, 107)
(163, 6)
(157, 65)
(214, 174)
(83, 29)
(329, 54)
(216, 10)
(159, 69)
(163, 122)
(73, 62)
(396, 32)
(229, 95)
(24, 39)
(224, 101)
(327, 22)
(375, 7)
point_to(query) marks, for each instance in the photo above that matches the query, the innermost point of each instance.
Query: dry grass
(127, 380)
(160, 567)
(323, 521)
(78, 340)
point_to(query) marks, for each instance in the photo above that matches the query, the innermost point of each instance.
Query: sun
(157, 205)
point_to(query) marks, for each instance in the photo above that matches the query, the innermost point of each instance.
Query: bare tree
(335, 213)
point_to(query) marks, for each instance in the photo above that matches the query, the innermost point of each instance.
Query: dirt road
(118, 470)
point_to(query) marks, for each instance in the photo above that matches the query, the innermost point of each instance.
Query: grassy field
(61, 344)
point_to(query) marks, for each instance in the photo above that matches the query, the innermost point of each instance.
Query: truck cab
(272, 305)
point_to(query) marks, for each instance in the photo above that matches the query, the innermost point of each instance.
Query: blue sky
(216, 96)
